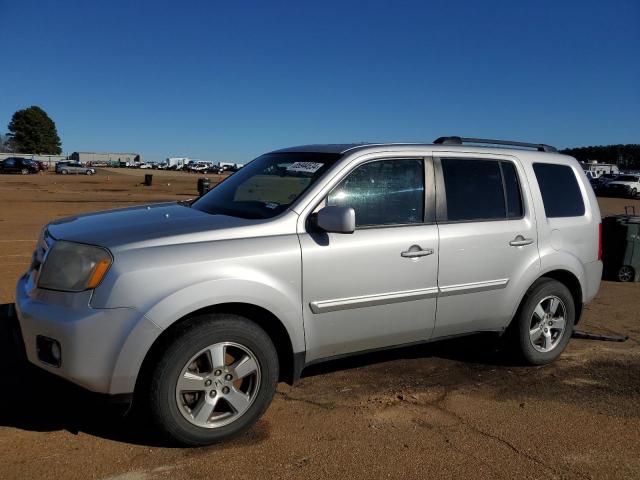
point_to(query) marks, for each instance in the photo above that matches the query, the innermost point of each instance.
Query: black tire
(24, 171)
(64, 172)
(199, 333)
(520, 338)
(634, 193)
(89, 172)
(626, 273)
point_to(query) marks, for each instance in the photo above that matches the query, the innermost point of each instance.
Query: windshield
(266, 186)
(627, 178)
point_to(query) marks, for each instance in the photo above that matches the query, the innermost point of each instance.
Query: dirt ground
(449, 410)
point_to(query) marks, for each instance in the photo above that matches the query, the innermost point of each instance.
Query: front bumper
(101, 349)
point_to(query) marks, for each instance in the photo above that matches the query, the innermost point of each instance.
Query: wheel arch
(290, 362)
(571, 281)
(568, 279)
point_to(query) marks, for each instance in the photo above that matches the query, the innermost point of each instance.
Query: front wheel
(544, 323)
(214, 380)
(89, 172)
(24, 171)
(634, 192)
(64, 172)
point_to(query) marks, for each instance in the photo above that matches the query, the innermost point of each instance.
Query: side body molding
(405, 296)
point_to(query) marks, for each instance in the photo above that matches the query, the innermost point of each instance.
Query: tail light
(600, 241)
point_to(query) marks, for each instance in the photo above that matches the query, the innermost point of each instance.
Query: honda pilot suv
(196, 311)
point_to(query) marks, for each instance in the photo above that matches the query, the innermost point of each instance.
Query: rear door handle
(520, 241)
(416, 251)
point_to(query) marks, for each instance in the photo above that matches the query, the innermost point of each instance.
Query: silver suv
(308, 254)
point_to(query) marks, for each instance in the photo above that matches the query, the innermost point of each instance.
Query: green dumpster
(621, 247)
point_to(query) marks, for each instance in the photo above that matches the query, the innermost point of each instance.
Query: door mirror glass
(337, 219)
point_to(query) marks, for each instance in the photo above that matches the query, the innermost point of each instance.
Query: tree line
(31, 130)
(625, 156)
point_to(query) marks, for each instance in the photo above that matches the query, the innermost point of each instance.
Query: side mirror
(337, 219)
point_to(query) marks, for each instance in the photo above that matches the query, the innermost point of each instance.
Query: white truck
(177, 163)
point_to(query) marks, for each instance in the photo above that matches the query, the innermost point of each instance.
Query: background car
(623, 185)
(18, 165)
(198, 167)
(65, 168)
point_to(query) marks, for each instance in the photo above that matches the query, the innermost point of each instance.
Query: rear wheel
(24, 171)
(214, 380)
(544, 323)
(634, 192)
(89, 172)
(626, 273)
(64, 172)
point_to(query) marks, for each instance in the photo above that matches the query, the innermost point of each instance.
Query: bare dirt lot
(448, 410)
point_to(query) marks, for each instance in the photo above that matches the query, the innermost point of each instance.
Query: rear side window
(479, 190)
(560, 191)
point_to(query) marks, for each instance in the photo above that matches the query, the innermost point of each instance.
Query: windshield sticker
(272, 205)
(307, 167)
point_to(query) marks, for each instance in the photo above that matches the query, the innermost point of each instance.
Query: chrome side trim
(405, 296)
(372, 300)
(474, 287)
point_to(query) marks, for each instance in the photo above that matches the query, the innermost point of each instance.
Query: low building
(108, 158)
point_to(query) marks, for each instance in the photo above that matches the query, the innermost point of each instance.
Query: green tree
(625, 156)
(32, 131)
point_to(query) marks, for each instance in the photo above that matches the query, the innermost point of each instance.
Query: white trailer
(177, 162)
(228, 165)
(596, 170)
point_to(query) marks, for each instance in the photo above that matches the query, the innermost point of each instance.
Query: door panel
(479, 272)
(488, 242)
(360, 293)
(376, 287)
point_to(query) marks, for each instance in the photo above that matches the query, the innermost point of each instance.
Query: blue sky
(230, 80)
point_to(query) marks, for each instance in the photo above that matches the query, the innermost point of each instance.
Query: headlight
(73, 267)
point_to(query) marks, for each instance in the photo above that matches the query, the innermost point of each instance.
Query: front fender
(190, 299)
(285, 306)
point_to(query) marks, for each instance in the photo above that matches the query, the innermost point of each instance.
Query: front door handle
(520, 241)
(416, 251)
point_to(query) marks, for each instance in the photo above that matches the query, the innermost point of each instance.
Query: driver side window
(383, 192)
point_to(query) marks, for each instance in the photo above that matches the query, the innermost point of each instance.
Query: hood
(157, 224)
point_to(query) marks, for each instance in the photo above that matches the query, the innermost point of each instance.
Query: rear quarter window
(561, 194)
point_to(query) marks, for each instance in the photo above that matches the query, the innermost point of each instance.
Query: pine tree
(32, 131)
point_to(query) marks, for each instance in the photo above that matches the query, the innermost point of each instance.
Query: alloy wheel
(548, 324)
(625, 274)
(218, 385)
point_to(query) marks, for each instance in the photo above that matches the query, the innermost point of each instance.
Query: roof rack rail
(541, 147)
